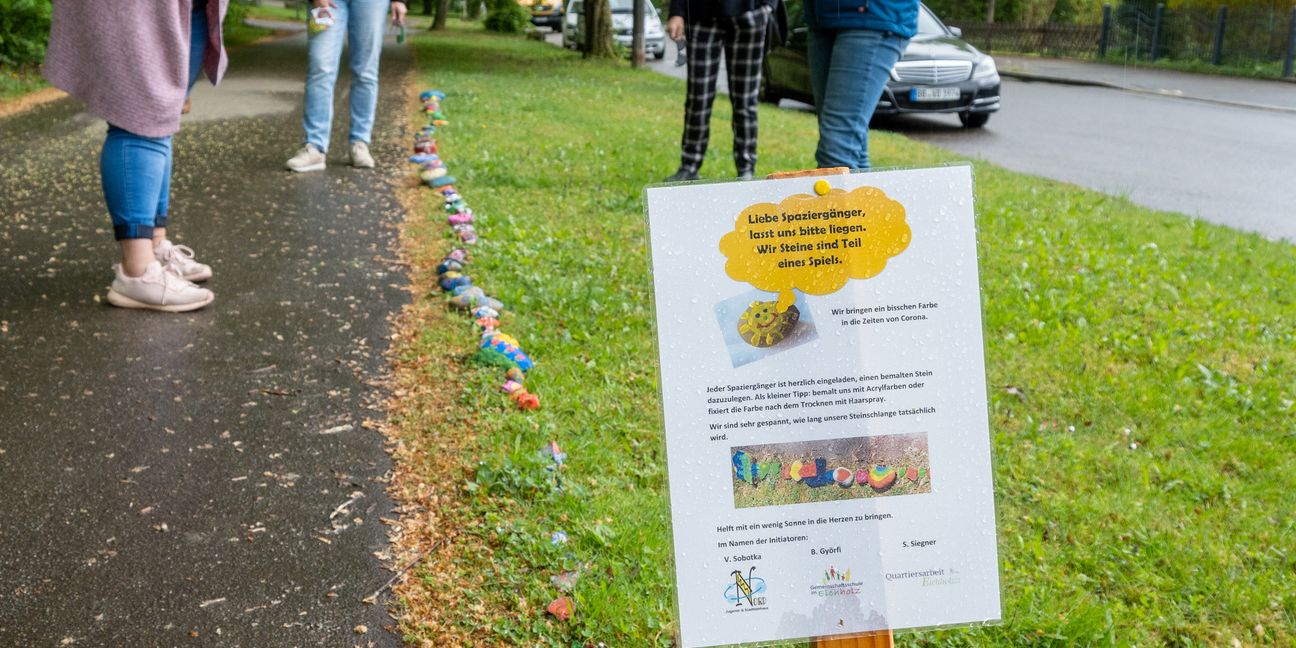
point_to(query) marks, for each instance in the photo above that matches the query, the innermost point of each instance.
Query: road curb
(1043, 78)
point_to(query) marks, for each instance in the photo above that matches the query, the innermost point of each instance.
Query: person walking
(853, 46)
(735, 28)
(132, 63)
(361, 23)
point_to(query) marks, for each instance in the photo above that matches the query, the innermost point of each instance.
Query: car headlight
(986, 68)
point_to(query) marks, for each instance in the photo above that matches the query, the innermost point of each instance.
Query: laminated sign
(824, 398)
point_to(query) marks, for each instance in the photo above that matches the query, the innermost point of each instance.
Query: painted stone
(761, 325)
(843, 476)
(487, 323)
(510, 386)
(742, 464)
(560, 608)
(493, 358)
(796, 471)
(428, 175)
(515, 374)
(911, 474)
(449, 265)
(808, 469)
(822, 476)
(451, 280)
(525, 400)
(881, 477)
(861, 477)
(786, 471)
(443, 181)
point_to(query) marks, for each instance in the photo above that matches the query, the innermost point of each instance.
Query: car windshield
(927, 23)
(625, 6)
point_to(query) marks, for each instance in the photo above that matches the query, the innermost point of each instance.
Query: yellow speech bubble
(815, 243)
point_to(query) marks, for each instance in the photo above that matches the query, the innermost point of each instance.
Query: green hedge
(24, 30)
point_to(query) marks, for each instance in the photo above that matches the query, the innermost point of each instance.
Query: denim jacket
(899, 17)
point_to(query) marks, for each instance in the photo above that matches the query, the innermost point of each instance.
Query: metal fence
(1262, 38)
(1050, 38)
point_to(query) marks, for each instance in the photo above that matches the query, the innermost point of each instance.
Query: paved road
(1171, 142)
(176, 480)
(1229, 165)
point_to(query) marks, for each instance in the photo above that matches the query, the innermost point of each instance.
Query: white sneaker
(158, 288)
(181, 257)
(360, 157)
(309, 158)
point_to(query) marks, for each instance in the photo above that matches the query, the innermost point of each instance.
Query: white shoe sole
(362, 165)
(319, 166)
(122, 301)
(198, 276)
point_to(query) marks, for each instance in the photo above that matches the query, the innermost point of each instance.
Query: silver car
(622, 26)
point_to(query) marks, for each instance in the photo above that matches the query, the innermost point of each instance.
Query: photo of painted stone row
(831, 469)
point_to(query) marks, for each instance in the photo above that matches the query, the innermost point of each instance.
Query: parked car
(545, 13)
(938, 73)
(622, 26)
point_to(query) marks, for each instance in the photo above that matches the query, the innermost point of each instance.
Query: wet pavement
(204, 478)
(1277, 95)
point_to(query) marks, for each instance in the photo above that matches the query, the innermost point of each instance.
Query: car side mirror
(957, 31)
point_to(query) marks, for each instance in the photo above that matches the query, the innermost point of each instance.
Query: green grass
(1140, 369)
(15, 83)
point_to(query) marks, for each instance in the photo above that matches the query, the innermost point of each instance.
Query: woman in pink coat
(132, 62)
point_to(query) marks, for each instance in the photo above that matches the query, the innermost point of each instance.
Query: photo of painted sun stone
(761, 325)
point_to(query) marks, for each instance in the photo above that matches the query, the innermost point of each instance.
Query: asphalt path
(205, 478)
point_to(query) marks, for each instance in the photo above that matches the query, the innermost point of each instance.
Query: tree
(598, 30)
(474, 9)
(427, 7)
(637, 37)
(442, 11)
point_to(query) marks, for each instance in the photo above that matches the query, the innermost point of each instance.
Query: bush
(506, 16)
(24, 30)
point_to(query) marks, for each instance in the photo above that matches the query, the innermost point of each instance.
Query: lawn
(1140, 369)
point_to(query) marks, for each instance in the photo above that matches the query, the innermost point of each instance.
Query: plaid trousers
(742, 39)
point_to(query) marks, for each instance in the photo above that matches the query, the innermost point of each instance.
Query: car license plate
(933, 94)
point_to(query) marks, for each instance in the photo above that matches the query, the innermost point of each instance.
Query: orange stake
(881, 639)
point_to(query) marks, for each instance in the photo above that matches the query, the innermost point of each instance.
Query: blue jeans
(848, 70)
(361, 22)
(136, 170)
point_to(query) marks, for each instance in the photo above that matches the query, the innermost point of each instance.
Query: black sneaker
(682, 176)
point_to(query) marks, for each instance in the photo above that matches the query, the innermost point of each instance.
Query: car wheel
(974, 120)
(767, 93)
(660, 54)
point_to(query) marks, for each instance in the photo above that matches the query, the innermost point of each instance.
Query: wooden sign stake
(881, 639)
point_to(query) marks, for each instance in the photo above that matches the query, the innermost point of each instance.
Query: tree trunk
(442, 11)
(637, 38)
(427, 7)
(990, 11)
(474, 9)
(598, 29)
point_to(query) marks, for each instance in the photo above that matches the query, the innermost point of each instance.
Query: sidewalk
(205, 478)
(1263, 94)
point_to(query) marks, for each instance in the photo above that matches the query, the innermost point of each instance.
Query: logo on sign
(745, 589)
(836, 582)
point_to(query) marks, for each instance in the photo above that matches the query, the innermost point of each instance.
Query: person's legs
(704, 40)
(134, 170)
(324, 54)
(368, 19)
(849, 69)
(744, 49)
